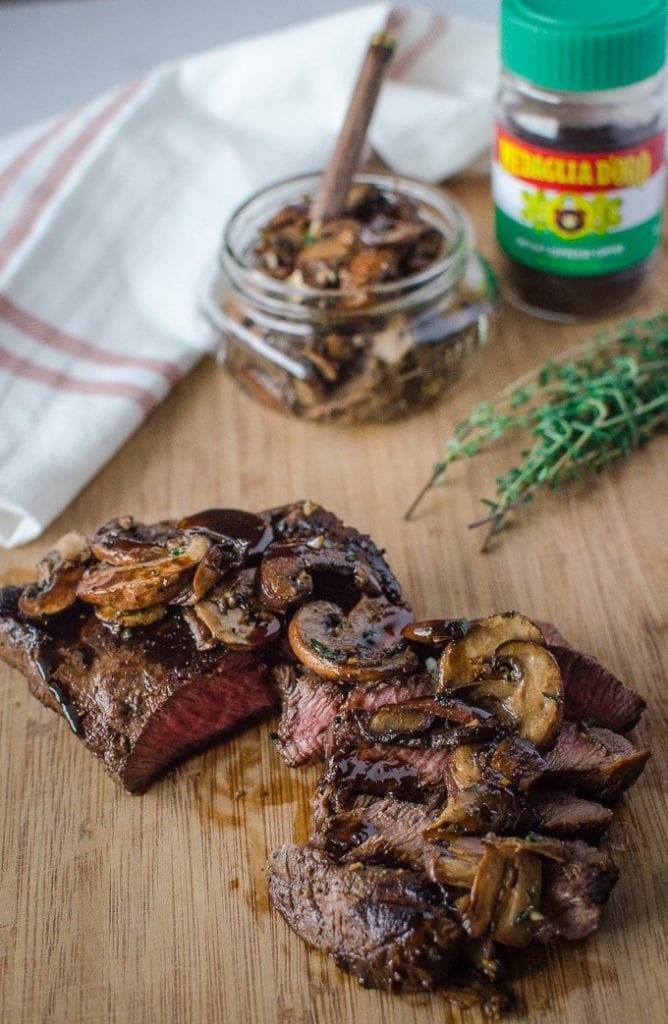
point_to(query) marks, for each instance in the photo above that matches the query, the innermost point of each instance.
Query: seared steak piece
(357, 764)
(594, 762)
(467, 786)
(140, 702)
(155, 641)
(309, 703)
(574, 893)
(307, 528)
(566, 816)
(594, 693)
(389, 831)
(390, 928)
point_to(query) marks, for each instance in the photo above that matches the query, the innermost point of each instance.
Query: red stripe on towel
(27, 155)
(58, 172)
(38, 329)
(63, 382)
(403, 62)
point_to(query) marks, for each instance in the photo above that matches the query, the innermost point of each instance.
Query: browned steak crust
(141, 701)
(389, 928)
(151, 657)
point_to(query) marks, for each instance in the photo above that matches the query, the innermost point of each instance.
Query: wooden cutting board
(154, 909)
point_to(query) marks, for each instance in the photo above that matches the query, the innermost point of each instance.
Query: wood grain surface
(154, 909)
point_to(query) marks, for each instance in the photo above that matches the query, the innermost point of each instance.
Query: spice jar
(578, 176)
(357, 349)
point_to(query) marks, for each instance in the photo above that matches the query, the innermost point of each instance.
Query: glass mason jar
(349, 355)
(578, 175)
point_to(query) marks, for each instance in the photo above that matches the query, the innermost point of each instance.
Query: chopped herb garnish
(176, 551)
(523, 914)
(327, 652)
(552, 696)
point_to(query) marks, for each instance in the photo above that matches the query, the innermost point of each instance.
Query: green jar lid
(583, 45)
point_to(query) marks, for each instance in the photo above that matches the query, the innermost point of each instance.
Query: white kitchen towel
(111, 215)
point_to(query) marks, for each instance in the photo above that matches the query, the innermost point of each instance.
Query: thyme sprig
(582, 412)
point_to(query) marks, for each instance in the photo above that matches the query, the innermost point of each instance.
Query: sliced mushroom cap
(537, 704)
(524, 689)
(363, 646)
(478, 800)
(231, 615)
(70, 549)
(123, 541)
(202, 635)
(286, 573)
(414, 717)
(58, 575)
(467, 659)
(55, 595)
(505, 895)
(223, 557)
(130, 619)
(519, 762)
(234, 523)
(394, 720)
(140, 585)
(466, 766)
(481, 807)
(436, 631)
(235, 627)
(520, 898)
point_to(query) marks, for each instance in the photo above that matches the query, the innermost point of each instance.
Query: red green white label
(578, 214)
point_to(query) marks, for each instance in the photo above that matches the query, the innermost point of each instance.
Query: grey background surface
(57, 53)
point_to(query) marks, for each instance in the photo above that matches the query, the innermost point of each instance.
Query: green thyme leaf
(578, 414)
(326, 652)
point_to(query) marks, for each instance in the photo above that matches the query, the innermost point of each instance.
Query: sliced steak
(309, 703)
(575, 892)
(391, 831)
(566, 816)
(306, 521)
(594, 762)
(140, 702)
(356, 764)
(154, 641)
(387, 927)
(592, 692)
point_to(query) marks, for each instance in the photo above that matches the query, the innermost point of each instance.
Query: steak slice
(356, 764)
(392, 832)
(140, 702)
(154, 641)
(575, 892)
(309, 704)
(386, 926)
(592, 692)
(567, 816)
(594, 762)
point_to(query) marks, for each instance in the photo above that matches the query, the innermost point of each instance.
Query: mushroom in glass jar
(366, 317)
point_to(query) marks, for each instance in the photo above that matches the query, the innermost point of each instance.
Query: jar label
(578, 214)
